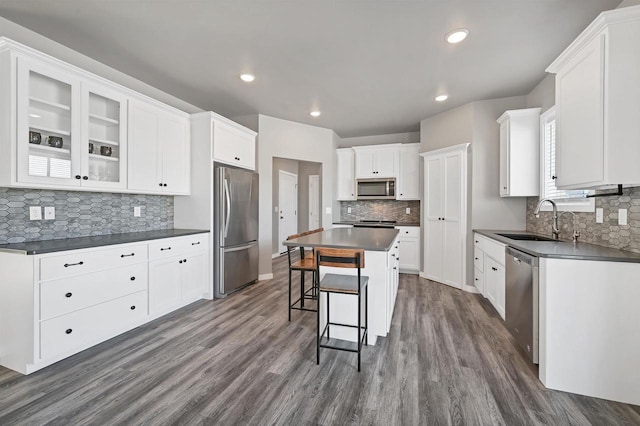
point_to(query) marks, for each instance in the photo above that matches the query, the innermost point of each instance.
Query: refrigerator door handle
(226, 222)
(244, 247)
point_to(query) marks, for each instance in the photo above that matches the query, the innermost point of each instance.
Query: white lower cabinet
(489, 271)
(81, 329)
(176, 281)
(409, 242)
(55, 305)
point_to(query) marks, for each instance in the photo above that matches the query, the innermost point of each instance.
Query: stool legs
(318, 332)
(359, 319)
(329, 327)
(289, 294)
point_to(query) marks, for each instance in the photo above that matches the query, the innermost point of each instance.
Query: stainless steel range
(375, 224)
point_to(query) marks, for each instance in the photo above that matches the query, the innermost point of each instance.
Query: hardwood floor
(447, 360)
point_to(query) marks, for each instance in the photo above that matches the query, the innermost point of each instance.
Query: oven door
(376, 189)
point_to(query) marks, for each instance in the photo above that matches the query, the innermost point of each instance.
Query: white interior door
(314, 202)
(452, 211)
(433, 218)
(288, 206)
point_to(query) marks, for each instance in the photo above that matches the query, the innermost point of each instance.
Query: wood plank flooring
(447, 360)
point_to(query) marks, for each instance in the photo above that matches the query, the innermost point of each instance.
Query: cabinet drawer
(478, 280)
(409, 231)
(66, 295)
(170, 247)
(81, 262)
(490, 248)
(79, 329)
(478, 259)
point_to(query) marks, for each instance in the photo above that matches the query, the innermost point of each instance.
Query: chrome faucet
(576, 233)
(554, 226)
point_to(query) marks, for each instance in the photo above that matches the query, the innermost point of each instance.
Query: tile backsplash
(79, 214)
(608, 233)
(380, 210)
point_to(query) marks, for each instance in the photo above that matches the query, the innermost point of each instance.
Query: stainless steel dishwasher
(521, 310)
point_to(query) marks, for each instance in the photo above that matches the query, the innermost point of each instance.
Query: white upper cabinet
(234, 145)
(345, 174)
(159, 152)
(597, 92)
(378, 161)
(71, 131)
(408, 173)
(520, 153)
(65, 128)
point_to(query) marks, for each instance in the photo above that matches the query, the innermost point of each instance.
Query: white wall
(544, 94)
(285, 165)
(448, 128)
(410, 137)
(59, 51)
(287, 139)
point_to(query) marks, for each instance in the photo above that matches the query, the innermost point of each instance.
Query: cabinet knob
(504, 187)
(78, 177)
(160, 184)
(494, 269)
(406, 232)
(132, 278)
(185, 260)
(68, 331)
(179, 261)
(401, 193)
(476, 279)
(133, 307)
(68, 295)
(393, 255)
(395, 267)
(85, 177)
(477, 258)
(164, 184)
(554, 177)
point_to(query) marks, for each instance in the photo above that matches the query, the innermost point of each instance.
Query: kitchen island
(381, 266)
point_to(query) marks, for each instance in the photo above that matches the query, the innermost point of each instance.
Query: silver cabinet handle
(226, 192)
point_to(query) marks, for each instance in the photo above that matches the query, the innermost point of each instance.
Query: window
(566, 200)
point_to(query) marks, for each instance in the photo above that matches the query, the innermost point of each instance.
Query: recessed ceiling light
(457, 35)
(247, 77)
(315, 113)
(34, 115)
(442, 98)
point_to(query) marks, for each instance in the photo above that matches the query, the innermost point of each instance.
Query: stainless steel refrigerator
(235, 198)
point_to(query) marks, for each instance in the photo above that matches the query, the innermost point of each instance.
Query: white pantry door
(288, 206)
(314, 202)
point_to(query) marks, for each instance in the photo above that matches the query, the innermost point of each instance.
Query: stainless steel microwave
(376, 189)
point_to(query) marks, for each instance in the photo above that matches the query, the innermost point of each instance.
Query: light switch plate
(348, 209)
(137, 211)
(35, 213)
(622, 216)
(327, 210)
(408, 210)
(599, 215)
(49, 213)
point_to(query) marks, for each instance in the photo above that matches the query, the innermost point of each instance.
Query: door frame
(281, 236)
(315, 178)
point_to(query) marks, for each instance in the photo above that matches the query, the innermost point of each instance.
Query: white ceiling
(371, 66)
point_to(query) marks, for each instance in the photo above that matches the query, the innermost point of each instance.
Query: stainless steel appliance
(375, 224)
(376, 189)
(521, 305)
(235, 245)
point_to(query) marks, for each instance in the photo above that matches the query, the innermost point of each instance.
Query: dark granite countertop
(374, 239)
(562, 249)
(347, 222)
(51, 246)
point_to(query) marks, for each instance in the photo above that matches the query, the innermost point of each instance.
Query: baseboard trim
(263, 277)
(274, 255)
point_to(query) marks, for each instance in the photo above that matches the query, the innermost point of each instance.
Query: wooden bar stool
(307, 263)
(342, 284)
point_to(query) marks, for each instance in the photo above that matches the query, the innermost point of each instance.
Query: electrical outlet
(49, 213)
(408, 210)
(35, 213)
(137, 211)
(348, 209)
(599, 215)
(327, 210)
(622, 216)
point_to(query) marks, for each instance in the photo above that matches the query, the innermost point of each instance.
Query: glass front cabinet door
(69, 131)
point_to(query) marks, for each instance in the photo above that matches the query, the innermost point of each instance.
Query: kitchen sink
(526, 237)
